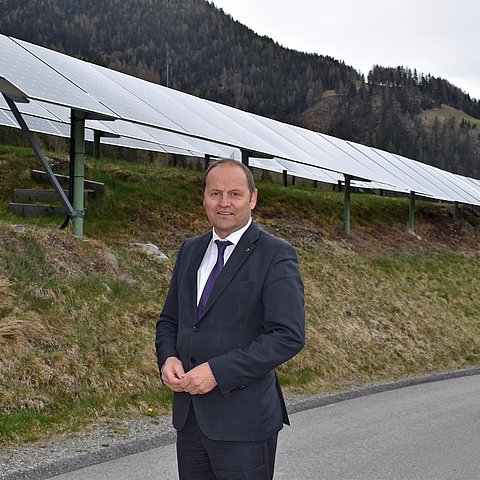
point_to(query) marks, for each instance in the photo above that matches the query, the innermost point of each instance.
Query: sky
(437, 37)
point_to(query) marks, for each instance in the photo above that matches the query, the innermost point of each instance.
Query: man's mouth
(224, 212)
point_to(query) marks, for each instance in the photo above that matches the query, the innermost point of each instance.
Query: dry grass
(76, 340)
(382, 318)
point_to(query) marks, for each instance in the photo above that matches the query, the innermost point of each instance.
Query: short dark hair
(234, 163)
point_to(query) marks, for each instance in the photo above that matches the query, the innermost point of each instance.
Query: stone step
(34, 194)
(36, 210)
(42, 176)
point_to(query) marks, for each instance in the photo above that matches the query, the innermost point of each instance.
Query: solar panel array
(152, 117)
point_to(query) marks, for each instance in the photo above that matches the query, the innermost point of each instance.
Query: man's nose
(224, 199)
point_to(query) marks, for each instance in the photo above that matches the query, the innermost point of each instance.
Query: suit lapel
(198, 252)
(244, 248)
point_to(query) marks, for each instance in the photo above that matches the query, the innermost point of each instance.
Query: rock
(112, 260)
(18, 227)
(467, 227)
(127, 277)
(150, 249)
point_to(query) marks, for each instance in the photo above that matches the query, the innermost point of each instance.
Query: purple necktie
(217, 268)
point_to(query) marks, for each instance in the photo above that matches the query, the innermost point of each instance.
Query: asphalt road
(429, 431)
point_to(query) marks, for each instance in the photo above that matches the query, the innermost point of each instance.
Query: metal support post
(206, 161)
(411, 212)
(41, 157)
(78, 181)
(96, 143)
(456, 211)
(285, 178)
(245, 158)
(346, 205)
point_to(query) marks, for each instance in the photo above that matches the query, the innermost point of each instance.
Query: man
(219, 354)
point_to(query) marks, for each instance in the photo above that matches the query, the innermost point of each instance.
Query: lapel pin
(247, 249)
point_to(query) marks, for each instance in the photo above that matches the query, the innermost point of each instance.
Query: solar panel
(440, 180)
(180, 117)
(171, 142)
(473, 181)
(378, 170)
(7, 119)
(465, 183)
(136, 144)
(404, 179)
(41, 82)
(199, 147)
(31, 108)
(152, 117)
(325, 176)
(278, 144)
(36, 124)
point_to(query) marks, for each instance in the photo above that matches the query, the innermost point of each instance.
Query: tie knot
(222, 245)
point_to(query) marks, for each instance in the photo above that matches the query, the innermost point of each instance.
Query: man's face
(227, 199)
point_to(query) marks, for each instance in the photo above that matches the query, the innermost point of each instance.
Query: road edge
(136, 446)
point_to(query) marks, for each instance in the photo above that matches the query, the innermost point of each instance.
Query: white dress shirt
(210, 257)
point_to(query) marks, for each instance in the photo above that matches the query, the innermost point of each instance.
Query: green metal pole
(78, 181)
(411, 212)
(346, 205)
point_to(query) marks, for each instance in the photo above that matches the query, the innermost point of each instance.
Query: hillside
(418, 116)
(77, 329)
(208, 54)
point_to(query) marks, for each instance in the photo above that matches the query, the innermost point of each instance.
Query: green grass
(77, 334)
(446, 112)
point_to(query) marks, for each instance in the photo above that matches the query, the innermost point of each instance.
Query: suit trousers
(200, 458)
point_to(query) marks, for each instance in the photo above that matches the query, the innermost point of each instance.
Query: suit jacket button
(193, 360)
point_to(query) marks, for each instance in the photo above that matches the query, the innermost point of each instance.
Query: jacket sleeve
(167, 325)
(283, 327)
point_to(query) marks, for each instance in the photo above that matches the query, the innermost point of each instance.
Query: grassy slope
(76, 333)
(446, 112)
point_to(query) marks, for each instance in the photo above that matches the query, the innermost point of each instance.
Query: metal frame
(72, 212)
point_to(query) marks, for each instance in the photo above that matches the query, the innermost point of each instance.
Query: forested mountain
(195, 47)
(406, 113)
(207, 52)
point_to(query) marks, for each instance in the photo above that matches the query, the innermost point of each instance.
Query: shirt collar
(235, 236)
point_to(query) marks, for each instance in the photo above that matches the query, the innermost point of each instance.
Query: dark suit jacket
(252, 323)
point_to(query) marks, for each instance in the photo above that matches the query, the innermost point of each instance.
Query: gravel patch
(117, 438)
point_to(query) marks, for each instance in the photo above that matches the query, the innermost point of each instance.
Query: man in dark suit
(233, 313)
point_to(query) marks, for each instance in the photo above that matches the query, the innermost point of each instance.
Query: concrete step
(42, 176)
(35, 194)
(36, 210)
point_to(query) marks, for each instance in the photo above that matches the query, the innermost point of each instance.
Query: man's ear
(253, 199)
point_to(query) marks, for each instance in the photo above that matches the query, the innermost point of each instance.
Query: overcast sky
(439, 37)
